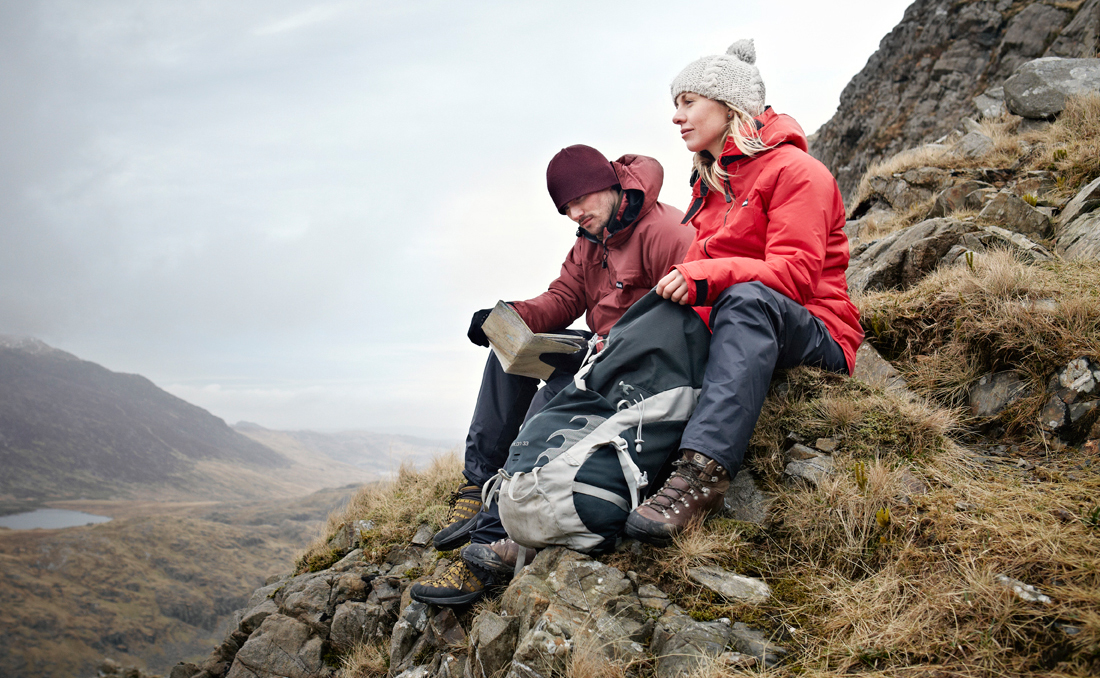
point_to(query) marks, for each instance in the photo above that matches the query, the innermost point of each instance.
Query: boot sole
(495, 565)
(447, 600)
(644, 531)
(453, 540)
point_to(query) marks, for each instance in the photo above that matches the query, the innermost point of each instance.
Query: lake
(49, 519)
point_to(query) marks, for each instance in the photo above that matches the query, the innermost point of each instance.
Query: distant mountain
(71, 428)
(379, 453)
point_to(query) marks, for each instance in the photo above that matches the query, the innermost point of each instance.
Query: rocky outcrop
(928, 70)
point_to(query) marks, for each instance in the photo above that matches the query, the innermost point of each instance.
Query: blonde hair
(709, 169)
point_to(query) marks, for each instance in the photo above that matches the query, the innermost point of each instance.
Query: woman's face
(704, 123)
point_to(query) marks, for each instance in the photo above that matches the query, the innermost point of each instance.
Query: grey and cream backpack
(582, 464)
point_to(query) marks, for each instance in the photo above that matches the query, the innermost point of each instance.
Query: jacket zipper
(730, 201)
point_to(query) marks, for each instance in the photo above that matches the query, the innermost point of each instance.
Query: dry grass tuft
(1070, 147)
(395, 508)
(962, 321)
(367, 660)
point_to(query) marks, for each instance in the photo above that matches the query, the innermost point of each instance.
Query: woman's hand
(673, 287)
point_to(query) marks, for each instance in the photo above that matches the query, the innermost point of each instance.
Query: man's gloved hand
(566, 363)
(475, 333)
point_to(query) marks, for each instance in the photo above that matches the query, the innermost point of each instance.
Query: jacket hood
(641, 173)
(774, 129)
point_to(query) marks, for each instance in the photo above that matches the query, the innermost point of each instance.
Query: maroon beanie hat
(576, 171)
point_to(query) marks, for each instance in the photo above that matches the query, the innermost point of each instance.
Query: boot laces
(692, 477)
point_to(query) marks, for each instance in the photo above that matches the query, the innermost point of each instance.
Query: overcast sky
(286, 212)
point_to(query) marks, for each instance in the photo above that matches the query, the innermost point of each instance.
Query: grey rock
(812, 471)
(653, 598)
(563, 598)
(1080, 240)
(991, 103)
(355, 622)
(446, 630)
(183, 670)
(1038, 89)
(992, 393)
(423, 535)
(731, 586)
(1080, 376)
(450, 666)
(877, 372)
(904, 257)
(1080, 411)
(407, 632)
(755, 643)
(974, 145)
(955, 198)
(1023, 591)
(800, 452)
(281, 647)
(492, 643)
(415, 672)
(745, 501)
(1016, 215)
(989, 237)
(682, 645)
(252, 618)
(1081, 38)
(1054, 415)
(1086, 200)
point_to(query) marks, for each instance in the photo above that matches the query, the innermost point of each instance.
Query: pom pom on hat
(744, 50)
(731, 78)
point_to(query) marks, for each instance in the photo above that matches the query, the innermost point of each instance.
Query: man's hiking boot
(460, 584)
(499, 558)
(465, 505)
(696, 488)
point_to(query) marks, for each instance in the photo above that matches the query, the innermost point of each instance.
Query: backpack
(580, 466)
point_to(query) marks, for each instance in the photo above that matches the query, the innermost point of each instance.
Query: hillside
(71, 429)
(927, 71)
(141, 589)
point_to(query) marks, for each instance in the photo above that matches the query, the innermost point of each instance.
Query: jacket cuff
(697, 284)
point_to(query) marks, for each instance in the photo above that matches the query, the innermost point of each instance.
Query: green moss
(319, 561)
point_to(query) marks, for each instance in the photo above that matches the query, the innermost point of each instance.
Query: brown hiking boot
(695, 488)
(500, 557)
(459, 584)
(465, 505)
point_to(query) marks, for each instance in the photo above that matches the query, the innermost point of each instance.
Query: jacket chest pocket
(628, 279)
(741, 234)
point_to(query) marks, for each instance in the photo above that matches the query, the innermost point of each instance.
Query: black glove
(565, 363)
(475, 333)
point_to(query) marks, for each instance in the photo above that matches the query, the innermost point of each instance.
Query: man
(626, 241)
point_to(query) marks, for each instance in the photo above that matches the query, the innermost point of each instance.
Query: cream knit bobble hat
(731, 77)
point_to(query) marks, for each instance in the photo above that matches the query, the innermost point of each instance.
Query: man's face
(593, 211)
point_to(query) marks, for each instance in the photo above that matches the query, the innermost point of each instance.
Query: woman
(766, 269)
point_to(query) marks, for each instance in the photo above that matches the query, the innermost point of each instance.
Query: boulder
(991, 103)
(1038, 89)
(1080, 240)
(563, 598)
(281, 647)
(1016, 215)
(746, 501)
(682, 645)
(1086, 200)
(992, 393)
(754, 643)
(812, 470)
(973, 145)
(355, 622)
(877, 372)
(492, 644)
(957, 197)
(732, 587)
(904, 257)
